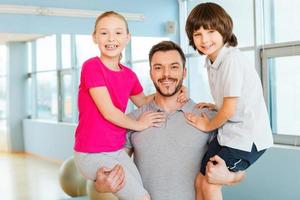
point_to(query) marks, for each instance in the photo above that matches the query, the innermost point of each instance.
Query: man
(169, 156)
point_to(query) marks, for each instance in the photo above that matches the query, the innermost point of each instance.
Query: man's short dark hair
(167, 46)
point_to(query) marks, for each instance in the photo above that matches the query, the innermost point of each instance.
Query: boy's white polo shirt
(231, 75)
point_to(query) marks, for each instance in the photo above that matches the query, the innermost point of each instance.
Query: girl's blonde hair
(107, 14)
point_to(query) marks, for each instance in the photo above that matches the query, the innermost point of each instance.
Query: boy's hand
(183, 97)
(200, 122)
(210, 106)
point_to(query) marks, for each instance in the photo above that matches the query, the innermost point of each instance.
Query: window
(54, 64)
(281, 24)
(3, 100)
(66, 51)
(45, 78)
(197, 79)
(282, 90)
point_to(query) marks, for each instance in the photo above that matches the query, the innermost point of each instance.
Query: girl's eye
(103, 33)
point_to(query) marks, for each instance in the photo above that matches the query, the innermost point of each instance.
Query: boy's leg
(211, 191)
(205, 190)
(198, 187)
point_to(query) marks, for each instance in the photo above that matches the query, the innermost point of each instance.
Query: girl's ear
(94, 38)
(128, 38)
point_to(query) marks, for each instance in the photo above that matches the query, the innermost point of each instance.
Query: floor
(26, 177)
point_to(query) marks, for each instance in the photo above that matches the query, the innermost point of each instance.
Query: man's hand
(218, 173)
(110, 180)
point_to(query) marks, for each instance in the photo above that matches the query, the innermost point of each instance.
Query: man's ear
(150, 72)
(184, 72)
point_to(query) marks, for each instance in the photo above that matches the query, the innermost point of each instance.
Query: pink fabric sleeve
(137, 87)
(92, 76)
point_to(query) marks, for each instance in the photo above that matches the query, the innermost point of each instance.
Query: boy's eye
(103, 33)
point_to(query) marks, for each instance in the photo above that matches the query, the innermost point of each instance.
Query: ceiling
(17, 37)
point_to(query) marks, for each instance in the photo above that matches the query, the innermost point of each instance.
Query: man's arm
(218, 173)
(110, 180)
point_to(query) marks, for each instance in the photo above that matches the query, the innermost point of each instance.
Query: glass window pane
(66, 51)
(3, 94)
(286, 11)
(3, 136)
(67, 97)
(285, 94)
(47, 95)
(46, 53)
(142, 45)
(29, 56)
(85, 49)
(142, 70)
(198, 80)
(241, 13)
(250, 55)
(3, 59)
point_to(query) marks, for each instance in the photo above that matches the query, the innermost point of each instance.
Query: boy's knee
(198, 181)
(208, 187)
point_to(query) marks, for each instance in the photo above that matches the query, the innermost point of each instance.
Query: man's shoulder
(191, 106)
(139, 111)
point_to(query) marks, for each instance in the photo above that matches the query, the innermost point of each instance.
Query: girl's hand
(210, 106)
(150, 119)
(183, 97)
(200, 122)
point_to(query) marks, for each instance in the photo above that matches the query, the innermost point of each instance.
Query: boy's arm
(203, 123)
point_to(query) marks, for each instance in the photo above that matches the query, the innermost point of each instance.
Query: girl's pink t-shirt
(94, 133)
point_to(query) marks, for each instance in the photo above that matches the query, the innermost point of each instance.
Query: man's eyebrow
(175, 63)
(157, 64)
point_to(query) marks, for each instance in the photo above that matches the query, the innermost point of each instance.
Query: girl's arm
(203, 123)
(104, 104)
(140, 99)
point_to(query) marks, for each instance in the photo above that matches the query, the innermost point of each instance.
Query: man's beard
(177, 88)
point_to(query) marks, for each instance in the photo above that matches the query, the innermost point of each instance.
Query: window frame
(274, 51)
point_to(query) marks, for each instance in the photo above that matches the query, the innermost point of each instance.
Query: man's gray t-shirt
(169, 157)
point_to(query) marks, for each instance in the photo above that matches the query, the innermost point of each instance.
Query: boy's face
(167, 72)
(208, 41)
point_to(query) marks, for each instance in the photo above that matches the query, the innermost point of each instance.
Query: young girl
(242, 119)
(105, 87)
